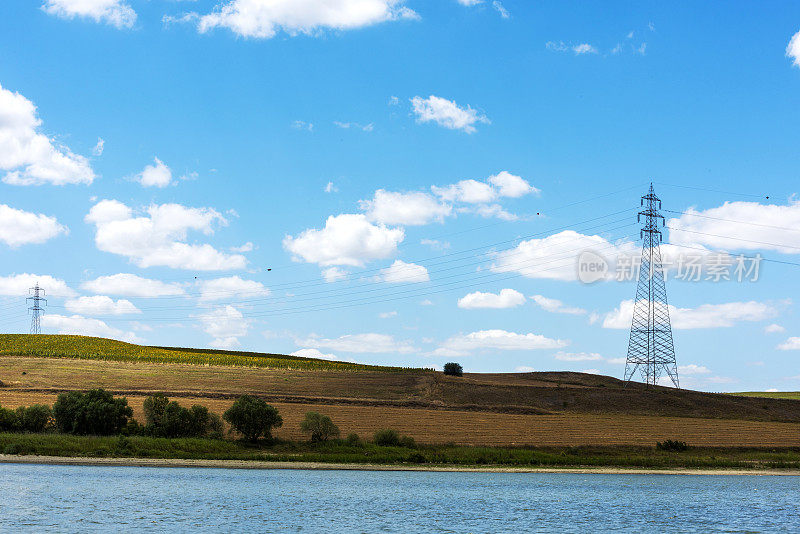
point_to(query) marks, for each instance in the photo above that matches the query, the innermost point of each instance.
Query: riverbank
(341, 454)
(322, 466)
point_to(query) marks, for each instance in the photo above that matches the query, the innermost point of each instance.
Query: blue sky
(421, 177)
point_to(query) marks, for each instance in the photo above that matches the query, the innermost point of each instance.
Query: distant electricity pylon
(650, 349)
(37, 309)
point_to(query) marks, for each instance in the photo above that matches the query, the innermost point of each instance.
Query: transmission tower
(36, 309)
(650, 349)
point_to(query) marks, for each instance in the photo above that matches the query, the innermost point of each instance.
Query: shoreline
(322, 466)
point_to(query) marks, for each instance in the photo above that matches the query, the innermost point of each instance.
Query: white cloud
(410, 209)
(100, 305)
(231, 287)
(334, 274)
(158, 238)
(18, 227)
(507, 298)
(693, 369)
(330, 188)
(750, 225)
(447, 113)
(584, 48)
(577, 356)
(502, 184)
(435, 244)
(793, 343)
(355, 125)
(17, 285)
(117, 13)
(556, 306)
(347, 239)
(617, 361)
(314, 353)
(498, 6)
(511, 185)
(29, 156)
(263, 19)
(402, 272)
(156, 175)
(85, 326)
(774, 329)
(303, 125)
(555, 257)
(426, 302)
(387, 315)
(524, 369)
(556, 46)
(99, 147)
(470, 2)
(793, 49)
(488, 211)
(131, 285)
(247, 247)
(704, 316)
(226, 325)
(360, 343)
(496, 340)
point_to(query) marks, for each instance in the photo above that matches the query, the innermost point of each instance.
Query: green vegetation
(171, 420)
(342, 452)
(392, 438)
(453, 369)
(320, 427)
(792, 395)
(672, 445)
(94, 348)
(253, 418)
(36, 418)
(95, 412)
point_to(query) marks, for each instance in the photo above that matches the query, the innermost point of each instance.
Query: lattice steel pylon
(650, 349)
(36, 309)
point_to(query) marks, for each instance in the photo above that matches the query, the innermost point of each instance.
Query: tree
(8, 420)
(320, 426)
(453, 369)
(94, 412)
(36, 418)
(252, 417)
(171, 420)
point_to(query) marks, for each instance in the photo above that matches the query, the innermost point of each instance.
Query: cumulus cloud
(577, 356)
(100, 305)
(155, 175)
(693, 369)
(507, 298)
(402, 272)
(28, 156)
(334, 274)
(408, 209)
(502, 184)
(483, 340)
(116, 13)
(347, 239)
(556, 306)
(360, 343)
(774, 329)
(555, 257)
(85, 326)
(131, 285)
(263, 19)
(750, 225)
(793, 49)
(18, 227)
(157, 238)
(447, 113)
(704, 316)
(793, 343)
(314, 353)
(231, 287)
(17, 285)
(226, 325)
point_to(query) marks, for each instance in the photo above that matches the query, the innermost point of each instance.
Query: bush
(95, 412)
(320, 426)
(252, 417)
(171, 420)
(407, 441)
(353, 440)
(386, 437)
(36, 418)
(8, 420)
(453, 369)
(672, 445)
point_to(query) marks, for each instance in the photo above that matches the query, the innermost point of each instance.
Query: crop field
(93, 348)
(793, 395)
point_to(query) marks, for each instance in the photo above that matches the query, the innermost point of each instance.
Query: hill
(479, 408)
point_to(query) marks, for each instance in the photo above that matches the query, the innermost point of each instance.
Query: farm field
(540, 409)
(794, 395)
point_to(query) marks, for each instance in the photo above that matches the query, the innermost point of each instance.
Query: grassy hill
(794, 395)
(96, 348)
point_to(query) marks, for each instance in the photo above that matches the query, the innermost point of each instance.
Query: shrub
(453, 369)
(171, 420)
(672, 445)
(94, 412)
(386, 437)
(407, 441)
(252, 417)
(8, 420)
(353, 440)
(320, 426)
(36, 418)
